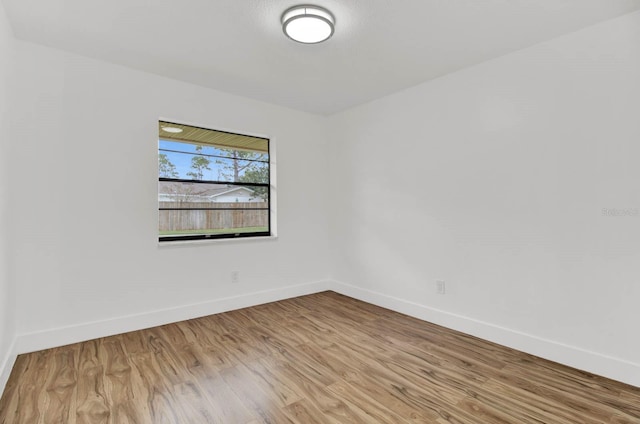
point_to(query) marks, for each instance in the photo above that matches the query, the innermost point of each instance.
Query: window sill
(178, 243)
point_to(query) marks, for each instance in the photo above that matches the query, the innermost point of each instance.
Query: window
(211, 184)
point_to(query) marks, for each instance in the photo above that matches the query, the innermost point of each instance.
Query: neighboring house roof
(235, 189)
(199, 190)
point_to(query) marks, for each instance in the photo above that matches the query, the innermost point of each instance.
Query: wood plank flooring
(323, 358)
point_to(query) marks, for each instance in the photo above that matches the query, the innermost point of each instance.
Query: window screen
(211, 184)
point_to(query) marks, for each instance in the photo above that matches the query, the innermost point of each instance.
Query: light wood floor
(323, 358)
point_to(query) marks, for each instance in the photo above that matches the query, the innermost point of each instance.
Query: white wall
(7, 301)
(494, 180)
(85, 202)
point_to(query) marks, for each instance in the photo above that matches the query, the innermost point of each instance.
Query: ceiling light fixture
(308, 24)
(174, 130)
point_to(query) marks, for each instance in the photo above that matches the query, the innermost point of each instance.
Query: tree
(245, 167)
(166, 169)
(241, 162)
(257, 174)
(199, 164)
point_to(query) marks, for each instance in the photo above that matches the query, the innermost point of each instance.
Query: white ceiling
(237, 46)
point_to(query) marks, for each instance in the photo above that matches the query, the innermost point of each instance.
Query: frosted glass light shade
(308, 24)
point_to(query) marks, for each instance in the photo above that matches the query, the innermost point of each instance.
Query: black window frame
(204, 236)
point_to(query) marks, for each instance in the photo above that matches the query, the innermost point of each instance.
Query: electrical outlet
(440, 287)
(235, 277)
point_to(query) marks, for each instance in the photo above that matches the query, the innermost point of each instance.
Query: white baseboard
(31, 342)
(7, 365)
(596, 363)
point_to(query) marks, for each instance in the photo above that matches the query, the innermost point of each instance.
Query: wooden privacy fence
(211, 215)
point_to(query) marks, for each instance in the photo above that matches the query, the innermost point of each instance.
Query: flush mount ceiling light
(174, 130)
(308, 24)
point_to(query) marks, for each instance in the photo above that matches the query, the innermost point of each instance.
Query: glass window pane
(228, 191)
(208, 137)
(227, 221)
(192, 162)
(185, 194)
